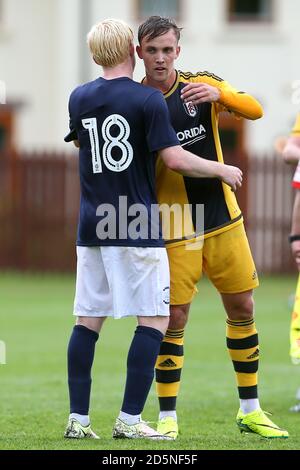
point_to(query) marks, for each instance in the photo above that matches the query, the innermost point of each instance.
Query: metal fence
(39, 200)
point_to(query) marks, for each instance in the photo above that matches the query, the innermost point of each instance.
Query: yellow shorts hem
(240, 291)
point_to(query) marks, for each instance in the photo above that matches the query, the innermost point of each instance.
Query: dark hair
(156, 26)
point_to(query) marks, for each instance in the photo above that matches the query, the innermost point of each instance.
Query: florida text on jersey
(197, 131)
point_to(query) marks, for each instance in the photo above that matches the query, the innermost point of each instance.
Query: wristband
(293, 238)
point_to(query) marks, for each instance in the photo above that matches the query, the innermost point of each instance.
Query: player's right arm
(295, 229)
(291, 153)
(188, 164)
(207, 88)
(72, 135)
(291, 150)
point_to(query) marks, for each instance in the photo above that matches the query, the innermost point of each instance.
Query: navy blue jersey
(120, 125)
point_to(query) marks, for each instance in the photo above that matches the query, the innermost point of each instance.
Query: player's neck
(163, 86)
(122, 70)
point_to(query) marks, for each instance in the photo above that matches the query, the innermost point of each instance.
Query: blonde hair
(109, 42)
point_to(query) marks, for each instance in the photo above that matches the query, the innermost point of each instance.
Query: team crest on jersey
(190, 109)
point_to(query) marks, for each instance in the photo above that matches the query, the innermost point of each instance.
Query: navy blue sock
(141, 360)
(80, 360)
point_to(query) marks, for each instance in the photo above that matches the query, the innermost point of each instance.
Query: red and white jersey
(296, 179)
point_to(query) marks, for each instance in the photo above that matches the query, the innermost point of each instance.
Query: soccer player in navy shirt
(122, 266)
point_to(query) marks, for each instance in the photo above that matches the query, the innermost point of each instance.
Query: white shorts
(117, 281)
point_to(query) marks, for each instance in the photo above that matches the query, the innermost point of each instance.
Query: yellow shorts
(225, 258)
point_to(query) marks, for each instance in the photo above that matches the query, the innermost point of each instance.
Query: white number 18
(120, 141)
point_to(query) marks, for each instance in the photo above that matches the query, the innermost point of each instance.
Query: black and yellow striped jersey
(197, 131)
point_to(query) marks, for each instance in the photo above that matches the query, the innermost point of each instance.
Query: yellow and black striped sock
(168, 369)
(242, 344)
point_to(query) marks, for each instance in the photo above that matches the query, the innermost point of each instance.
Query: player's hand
(232, 176)
(279, 144)
(295, 246)
(200, 93)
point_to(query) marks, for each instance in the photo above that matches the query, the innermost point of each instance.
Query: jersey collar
(173, 87)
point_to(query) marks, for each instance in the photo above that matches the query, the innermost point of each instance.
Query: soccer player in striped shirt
(195, 101)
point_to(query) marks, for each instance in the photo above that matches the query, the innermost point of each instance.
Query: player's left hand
(200, 93)
(231, 175)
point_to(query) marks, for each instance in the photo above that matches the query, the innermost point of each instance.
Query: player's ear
(178, 49)
(139, 51)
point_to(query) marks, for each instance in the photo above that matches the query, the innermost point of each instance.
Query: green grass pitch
(35, 323)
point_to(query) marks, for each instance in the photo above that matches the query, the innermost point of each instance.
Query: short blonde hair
(109, 42)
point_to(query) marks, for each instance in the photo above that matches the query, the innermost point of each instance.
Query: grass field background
(35, 323)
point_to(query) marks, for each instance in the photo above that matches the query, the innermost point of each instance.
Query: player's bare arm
(291, 151)
(178, 159)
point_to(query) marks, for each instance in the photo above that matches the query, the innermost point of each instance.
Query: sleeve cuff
(71, 136)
